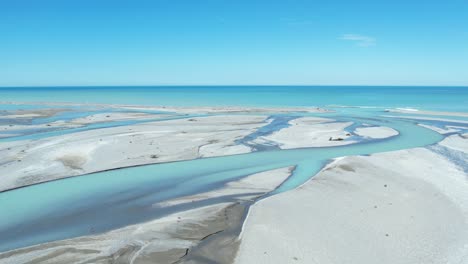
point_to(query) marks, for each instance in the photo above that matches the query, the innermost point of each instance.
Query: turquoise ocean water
(426, 98)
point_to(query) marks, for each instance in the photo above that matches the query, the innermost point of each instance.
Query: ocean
(420, 97)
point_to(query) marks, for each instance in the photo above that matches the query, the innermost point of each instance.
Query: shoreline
(183, 109)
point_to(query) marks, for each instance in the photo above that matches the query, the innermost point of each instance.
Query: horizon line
(230, 85)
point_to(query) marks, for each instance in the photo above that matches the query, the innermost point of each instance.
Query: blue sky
(213, 42)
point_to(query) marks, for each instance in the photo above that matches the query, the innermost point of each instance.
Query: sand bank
(32, 113)
(424, 112)
(20, 128)
(33, 161)
(229, 109)
(445, 130)
(29, 162)
(408, 206)
(376, 132)
(186, 109)
(207, 231)
(415, 117)
(91, 119)
(456, 142)
(309, 132)
(116, 116)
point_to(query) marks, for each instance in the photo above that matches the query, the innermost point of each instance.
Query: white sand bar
(29, 162)
(423, 112)
(309, 132)
(245, 188)
(115, 116)
(228, 109)
(403, 207)
(91, 119)
(459, 121)
(456, 142)
(446, 130)
(186, 109)
(376, 132)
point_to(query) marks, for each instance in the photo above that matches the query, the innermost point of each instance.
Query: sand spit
(408, 206)
(206, 232)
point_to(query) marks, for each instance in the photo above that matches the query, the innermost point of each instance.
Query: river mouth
(83, 205)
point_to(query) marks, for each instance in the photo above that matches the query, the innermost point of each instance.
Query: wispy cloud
(360, 40)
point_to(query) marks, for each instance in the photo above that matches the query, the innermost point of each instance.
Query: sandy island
(408, 206)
